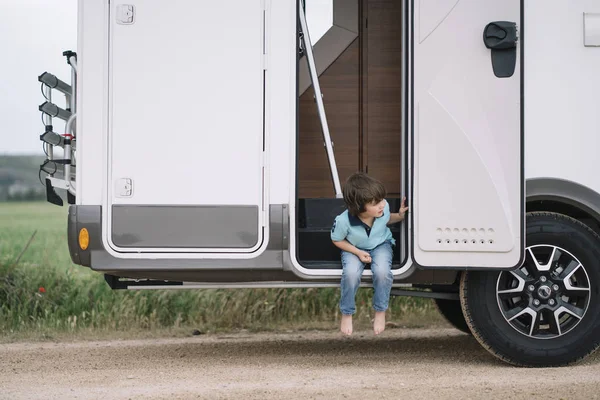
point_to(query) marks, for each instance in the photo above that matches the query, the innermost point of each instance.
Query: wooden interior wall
(384, 92)
(340, 86)
(362, 99)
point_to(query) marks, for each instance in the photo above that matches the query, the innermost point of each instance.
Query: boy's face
(374, 209)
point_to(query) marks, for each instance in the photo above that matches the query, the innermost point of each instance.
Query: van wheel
(546, 313)
(452, 311)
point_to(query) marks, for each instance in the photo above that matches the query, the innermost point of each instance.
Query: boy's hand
(364, 256)
(397, 217)
(403, 208)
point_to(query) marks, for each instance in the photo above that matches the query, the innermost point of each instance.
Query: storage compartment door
(185, 129)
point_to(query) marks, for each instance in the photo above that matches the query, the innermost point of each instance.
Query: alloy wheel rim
(548, 296)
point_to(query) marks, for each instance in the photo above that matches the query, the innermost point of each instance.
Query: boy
(362, 234)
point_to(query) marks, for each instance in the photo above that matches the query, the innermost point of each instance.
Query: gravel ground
(401, 364)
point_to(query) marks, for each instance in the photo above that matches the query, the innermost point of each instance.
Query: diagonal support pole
(319, 98)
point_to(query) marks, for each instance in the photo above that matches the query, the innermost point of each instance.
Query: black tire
(452, 311)
(558, 338)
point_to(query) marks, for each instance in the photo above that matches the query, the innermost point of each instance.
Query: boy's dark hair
(359, 190)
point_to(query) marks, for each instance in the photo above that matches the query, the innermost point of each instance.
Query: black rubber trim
(51, 195)
(72, 239)
(404, 81)
(115, 283)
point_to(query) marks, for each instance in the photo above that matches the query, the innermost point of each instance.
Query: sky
(33, 36)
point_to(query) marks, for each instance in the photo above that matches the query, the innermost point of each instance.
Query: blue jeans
(381, 267)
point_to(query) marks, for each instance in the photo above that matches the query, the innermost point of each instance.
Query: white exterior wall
(562, 93)
(92, 101)
(281, 109)
(562, 85)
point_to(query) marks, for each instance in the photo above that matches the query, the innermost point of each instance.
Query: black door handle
(501, 38)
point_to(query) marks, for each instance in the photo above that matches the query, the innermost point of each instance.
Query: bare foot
(346, 327)
(379, 324)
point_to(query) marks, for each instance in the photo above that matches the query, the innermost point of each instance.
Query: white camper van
(206, 144)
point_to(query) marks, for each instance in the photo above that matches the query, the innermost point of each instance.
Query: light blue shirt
(359, 234)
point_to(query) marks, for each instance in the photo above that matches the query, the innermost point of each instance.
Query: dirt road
(403, 364)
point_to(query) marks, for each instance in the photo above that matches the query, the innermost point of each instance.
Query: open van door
(466, 130)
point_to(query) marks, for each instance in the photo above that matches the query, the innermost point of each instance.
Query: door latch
(124, 187)
(501, 38)
(125, 14)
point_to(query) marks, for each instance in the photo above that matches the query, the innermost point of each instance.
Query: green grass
(76, 300)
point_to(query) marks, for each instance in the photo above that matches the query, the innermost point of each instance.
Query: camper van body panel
(559, 102)
(164, 161)
(562, 85)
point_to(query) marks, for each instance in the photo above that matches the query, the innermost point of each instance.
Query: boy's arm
(339, 232)
(346, 246)
(399, 216)
(395, 218)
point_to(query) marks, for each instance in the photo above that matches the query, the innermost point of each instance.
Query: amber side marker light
(84, 239)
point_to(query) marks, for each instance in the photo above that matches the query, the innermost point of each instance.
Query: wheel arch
(564, 197)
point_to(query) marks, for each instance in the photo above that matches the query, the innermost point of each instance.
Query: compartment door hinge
(265, 20)
(265, 62)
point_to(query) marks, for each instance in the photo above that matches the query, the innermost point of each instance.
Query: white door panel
(467, 139)
(186, 105)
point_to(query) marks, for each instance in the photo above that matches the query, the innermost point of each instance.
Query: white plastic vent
(464, 236)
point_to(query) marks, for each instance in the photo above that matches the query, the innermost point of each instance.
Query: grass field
(45, 294)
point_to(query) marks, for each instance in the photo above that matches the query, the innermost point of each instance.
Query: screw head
(531, 288)
(543, 279)
(551, 302)
(536, 302)
(555, 287)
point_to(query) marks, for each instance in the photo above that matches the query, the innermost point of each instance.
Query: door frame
(406, 266)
